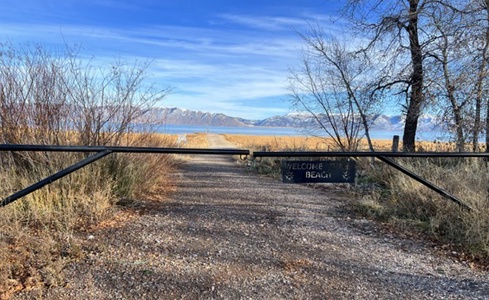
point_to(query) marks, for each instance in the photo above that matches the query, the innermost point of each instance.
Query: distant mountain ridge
(179, 116)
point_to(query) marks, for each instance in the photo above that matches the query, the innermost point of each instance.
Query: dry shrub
(407, 201)
(59, 99)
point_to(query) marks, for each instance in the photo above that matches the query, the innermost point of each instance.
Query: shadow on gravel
(230, 235)
(226, 258)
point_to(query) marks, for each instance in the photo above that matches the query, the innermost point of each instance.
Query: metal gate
(98, 152)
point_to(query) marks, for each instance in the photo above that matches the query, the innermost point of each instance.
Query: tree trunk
(487, 128)
(481, 77)
(460, 141)
(416, 95)
(477, 122)
(456, 108)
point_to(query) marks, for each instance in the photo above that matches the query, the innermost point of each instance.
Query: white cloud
(271, 23)
(233, 88)
(212, 69)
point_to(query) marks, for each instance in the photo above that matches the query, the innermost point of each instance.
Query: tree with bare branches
(332, 87)
(394, 26)
(44, 95)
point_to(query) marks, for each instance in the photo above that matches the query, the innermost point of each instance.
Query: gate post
(395, 143)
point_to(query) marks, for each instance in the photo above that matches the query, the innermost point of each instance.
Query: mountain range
(179, 116)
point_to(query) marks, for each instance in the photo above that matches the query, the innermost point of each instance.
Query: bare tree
(395, 25)
(476, 38)
(449, 82)
(58, 98)
(446, 46)
(460, 44)
(331, 86)
(481, 9)
(110, 99)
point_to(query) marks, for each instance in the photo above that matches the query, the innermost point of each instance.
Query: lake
(283, 131)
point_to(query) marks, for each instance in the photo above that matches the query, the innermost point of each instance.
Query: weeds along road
(231, 234)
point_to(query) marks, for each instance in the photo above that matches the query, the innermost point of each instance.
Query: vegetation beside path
(60, 99)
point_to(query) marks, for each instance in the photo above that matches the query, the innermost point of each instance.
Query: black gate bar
(101, 151)
(118, 149)
(384, 156)
(366, 154)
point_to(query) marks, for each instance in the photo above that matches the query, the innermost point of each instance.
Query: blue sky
(227, 56)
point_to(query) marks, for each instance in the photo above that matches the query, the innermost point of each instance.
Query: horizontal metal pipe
(118, 149)
(179, 150)
(50, 148)
(367, 154)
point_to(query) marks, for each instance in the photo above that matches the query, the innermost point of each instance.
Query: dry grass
(197, 140)
(404, 201)
(280, 143)
(277, 143)
(38, 232)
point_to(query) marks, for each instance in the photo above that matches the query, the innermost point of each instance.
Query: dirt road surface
(231, 234)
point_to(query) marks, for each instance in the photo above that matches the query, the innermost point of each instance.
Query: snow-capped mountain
(180, 116)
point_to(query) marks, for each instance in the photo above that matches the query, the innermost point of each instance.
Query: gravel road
(230, 234)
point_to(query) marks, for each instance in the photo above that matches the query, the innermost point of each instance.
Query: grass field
(275, 143)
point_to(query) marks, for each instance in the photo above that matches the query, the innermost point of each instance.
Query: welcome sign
(329, 171)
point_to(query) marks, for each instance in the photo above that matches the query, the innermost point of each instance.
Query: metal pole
(440, 191)
(85, 149)
(367, 154)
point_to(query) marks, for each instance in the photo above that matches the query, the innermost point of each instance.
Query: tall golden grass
(275, 143)
(404, 201)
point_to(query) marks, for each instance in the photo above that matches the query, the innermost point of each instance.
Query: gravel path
(229, 234)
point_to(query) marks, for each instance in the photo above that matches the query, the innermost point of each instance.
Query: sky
(220, 56)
